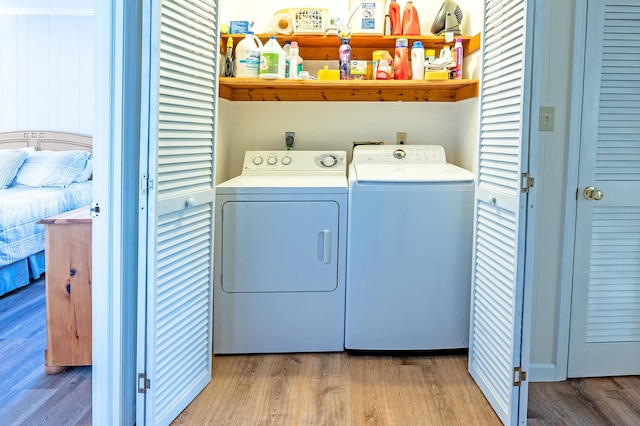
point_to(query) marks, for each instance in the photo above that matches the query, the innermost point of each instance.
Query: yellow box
(436, 75)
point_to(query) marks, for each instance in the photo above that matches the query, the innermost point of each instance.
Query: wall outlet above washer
(401, 138)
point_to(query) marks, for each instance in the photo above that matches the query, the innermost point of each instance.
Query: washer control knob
(257, 160)
(399, 154)
(329, 161)
(272, 160)
(286, 160)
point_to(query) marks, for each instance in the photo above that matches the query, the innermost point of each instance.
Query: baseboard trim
(542, 373)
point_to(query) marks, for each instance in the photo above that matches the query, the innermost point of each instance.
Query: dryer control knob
(272, 160)
(257, 161)
(329, 161)
(286, 160)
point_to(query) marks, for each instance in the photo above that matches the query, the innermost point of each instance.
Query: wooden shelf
(325, 48)
(254, 89)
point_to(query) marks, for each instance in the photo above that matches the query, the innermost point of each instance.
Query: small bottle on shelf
(401, 62)
(417, 61)
(344, 59)
(293, 60)
(458, 55)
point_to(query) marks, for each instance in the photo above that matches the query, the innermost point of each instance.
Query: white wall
(46, 73)
(260, 12)
(335, 125)
(557, 43)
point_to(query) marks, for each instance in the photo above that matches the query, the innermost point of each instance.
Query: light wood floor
(298, 389)
(339, 389)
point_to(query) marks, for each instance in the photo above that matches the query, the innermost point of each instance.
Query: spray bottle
(344, 55)
(458, 54)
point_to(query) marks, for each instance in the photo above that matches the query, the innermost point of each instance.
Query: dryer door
(279, 246)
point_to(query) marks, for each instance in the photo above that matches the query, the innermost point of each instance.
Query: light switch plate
(547, 119)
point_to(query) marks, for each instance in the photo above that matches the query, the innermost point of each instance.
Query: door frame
(571, 202)
(116, 143)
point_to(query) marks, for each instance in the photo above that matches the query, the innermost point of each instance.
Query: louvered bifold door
(500, 213)
(182, 104)
(605, 315)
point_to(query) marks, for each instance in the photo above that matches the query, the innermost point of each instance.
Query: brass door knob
(592, 193)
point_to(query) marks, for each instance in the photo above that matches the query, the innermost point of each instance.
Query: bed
(54, 176)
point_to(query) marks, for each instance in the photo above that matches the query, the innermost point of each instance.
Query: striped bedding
(22, 206)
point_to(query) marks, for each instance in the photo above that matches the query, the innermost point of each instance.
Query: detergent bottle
(247, 63)
(410, 21)
(395, 18)
(272, 60)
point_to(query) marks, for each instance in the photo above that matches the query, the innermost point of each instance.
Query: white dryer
(280, 254)
(410, 231)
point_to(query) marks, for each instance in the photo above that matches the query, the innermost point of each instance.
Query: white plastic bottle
(247, 62)
(272, 60)
(287, 54)
(293, 60)
(417, 61)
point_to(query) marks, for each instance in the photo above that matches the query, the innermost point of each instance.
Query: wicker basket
(310, 21)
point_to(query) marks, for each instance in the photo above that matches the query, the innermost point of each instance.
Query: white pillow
(86, 173)
(10, 162)
(51, 168)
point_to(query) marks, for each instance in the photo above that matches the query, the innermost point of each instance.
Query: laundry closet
(258, 125)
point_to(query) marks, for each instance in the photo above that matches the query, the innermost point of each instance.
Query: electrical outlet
(289, 139)
(401, 138)
(547, 119)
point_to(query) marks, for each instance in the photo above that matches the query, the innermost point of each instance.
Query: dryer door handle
(324, 246)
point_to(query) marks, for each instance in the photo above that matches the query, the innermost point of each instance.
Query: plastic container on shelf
(458, 56)
(382, 65)
(247, 62)
(417, 61)
(366, 17)
(272, 60)
(287, 54)
(293, 60)
(395, 18)
(344, 54)
(401, 62)
(410, 21)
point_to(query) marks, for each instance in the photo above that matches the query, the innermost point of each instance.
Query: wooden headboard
(46, 140)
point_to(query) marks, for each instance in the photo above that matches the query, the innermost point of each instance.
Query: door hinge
(519, 376)
(95, 209)
(143, 383)
(527, 182)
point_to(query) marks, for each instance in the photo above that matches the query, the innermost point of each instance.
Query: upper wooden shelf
(255, 89)
(325, 48)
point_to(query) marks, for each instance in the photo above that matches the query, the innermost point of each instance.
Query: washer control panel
(399, 154)
(294, 161)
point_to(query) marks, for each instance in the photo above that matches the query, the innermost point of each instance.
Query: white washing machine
(280, 254)
(410, 228)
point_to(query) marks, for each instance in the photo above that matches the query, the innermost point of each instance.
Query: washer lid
(411, 173)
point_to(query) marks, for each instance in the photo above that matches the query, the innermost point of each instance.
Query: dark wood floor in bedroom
(29, 396)
(268, 389)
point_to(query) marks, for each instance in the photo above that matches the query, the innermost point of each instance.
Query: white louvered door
(605, 314)
(498, 344)
(179, 254)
